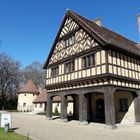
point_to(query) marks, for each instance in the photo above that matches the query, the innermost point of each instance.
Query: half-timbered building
(98, 68)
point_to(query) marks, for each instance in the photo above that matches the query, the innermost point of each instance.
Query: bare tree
(35, 72)
(9, 77)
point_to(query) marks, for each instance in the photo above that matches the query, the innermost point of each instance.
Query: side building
(98, 68)
(26, 95)
(32, 98)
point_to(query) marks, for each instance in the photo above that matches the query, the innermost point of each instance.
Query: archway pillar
(110, 120)
(137, 106)
(49, 107)
(64, 104)
(75, 107)
(83, 115)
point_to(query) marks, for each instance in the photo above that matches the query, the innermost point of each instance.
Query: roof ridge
(86, 24)
(101, 26)
(29, 87)
(101, 34)
(129, 42)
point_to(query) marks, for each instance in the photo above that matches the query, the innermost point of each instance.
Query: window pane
(55, 71)
(69, 67)
(123, 104)
(88, 61)
(84, 62)
(93, 60)
(73, 38)
(69, 41)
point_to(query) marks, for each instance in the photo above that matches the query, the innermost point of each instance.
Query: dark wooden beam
(64, 104)
(49, 107)
(106, 57)
(109, 106)
(69, 34)
(83, 116)
(137, 106)
(93, 49)
(101, 76)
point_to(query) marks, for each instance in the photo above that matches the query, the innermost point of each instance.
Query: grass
(11, 136)
(41, 113)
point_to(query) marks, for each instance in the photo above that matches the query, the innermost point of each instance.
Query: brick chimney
(98, 21)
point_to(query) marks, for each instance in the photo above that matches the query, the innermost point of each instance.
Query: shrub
(56, 112)
(41, 113)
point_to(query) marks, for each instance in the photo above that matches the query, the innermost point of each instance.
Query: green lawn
(11, 136)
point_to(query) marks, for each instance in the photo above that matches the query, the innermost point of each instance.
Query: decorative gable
(68, 26)
(71, 26)
(82, 42)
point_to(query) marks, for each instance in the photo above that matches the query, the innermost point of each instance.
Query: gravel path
(41, 129)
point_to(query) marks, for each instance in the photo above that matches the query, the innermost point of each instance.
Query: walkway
(41, 129)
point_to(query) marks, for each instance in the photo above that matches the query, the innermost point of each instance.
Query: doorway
(100, 112)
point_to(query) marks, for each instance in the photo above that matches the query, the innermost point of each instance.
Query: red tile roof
(58, 98)
(138, 46)
(42, 97)
(29, 87)
(103, 35)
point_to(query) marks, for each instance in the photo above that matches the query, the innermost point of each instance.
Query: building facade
(98, 68)
(26, 95)
(34, 99)
(40, 102)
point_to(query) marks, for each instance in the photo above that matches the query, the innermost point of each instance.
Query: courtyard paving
(39, 128)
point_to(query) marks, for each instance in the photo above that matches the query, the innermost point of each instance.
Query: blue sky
(28, 27)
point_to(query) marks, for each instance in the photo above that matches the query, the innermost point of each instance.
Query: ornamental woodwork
(123, 65)
(68, 26)
(82, 42)
(106, 62)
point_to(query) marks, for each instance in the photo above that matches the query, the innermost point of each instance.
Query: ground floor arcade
(109, 105)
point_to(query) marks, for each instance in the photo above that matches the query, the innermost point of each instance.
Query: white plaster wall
(58, 105)
(125, 117)
(37, 107)
(28, 99)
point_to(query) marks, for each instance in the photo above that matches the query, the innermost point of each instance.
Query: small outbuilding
(26, 95)
(40, 102)
(34, 99)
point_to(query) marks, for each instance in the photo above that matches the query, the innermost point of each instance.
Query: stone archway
(75, 106)
(50, 105)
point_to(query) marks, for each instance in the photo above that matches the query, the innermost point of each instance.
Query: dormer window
(55, 71)
(69, 41)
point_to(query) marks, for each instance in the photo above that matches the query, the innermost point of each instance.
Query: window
(24, 94)
(69, 41)
(88, 61)
(69, 67)
(24, 104)
(40, 105)
(35, 105)
(55, 71)
(123, 104)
